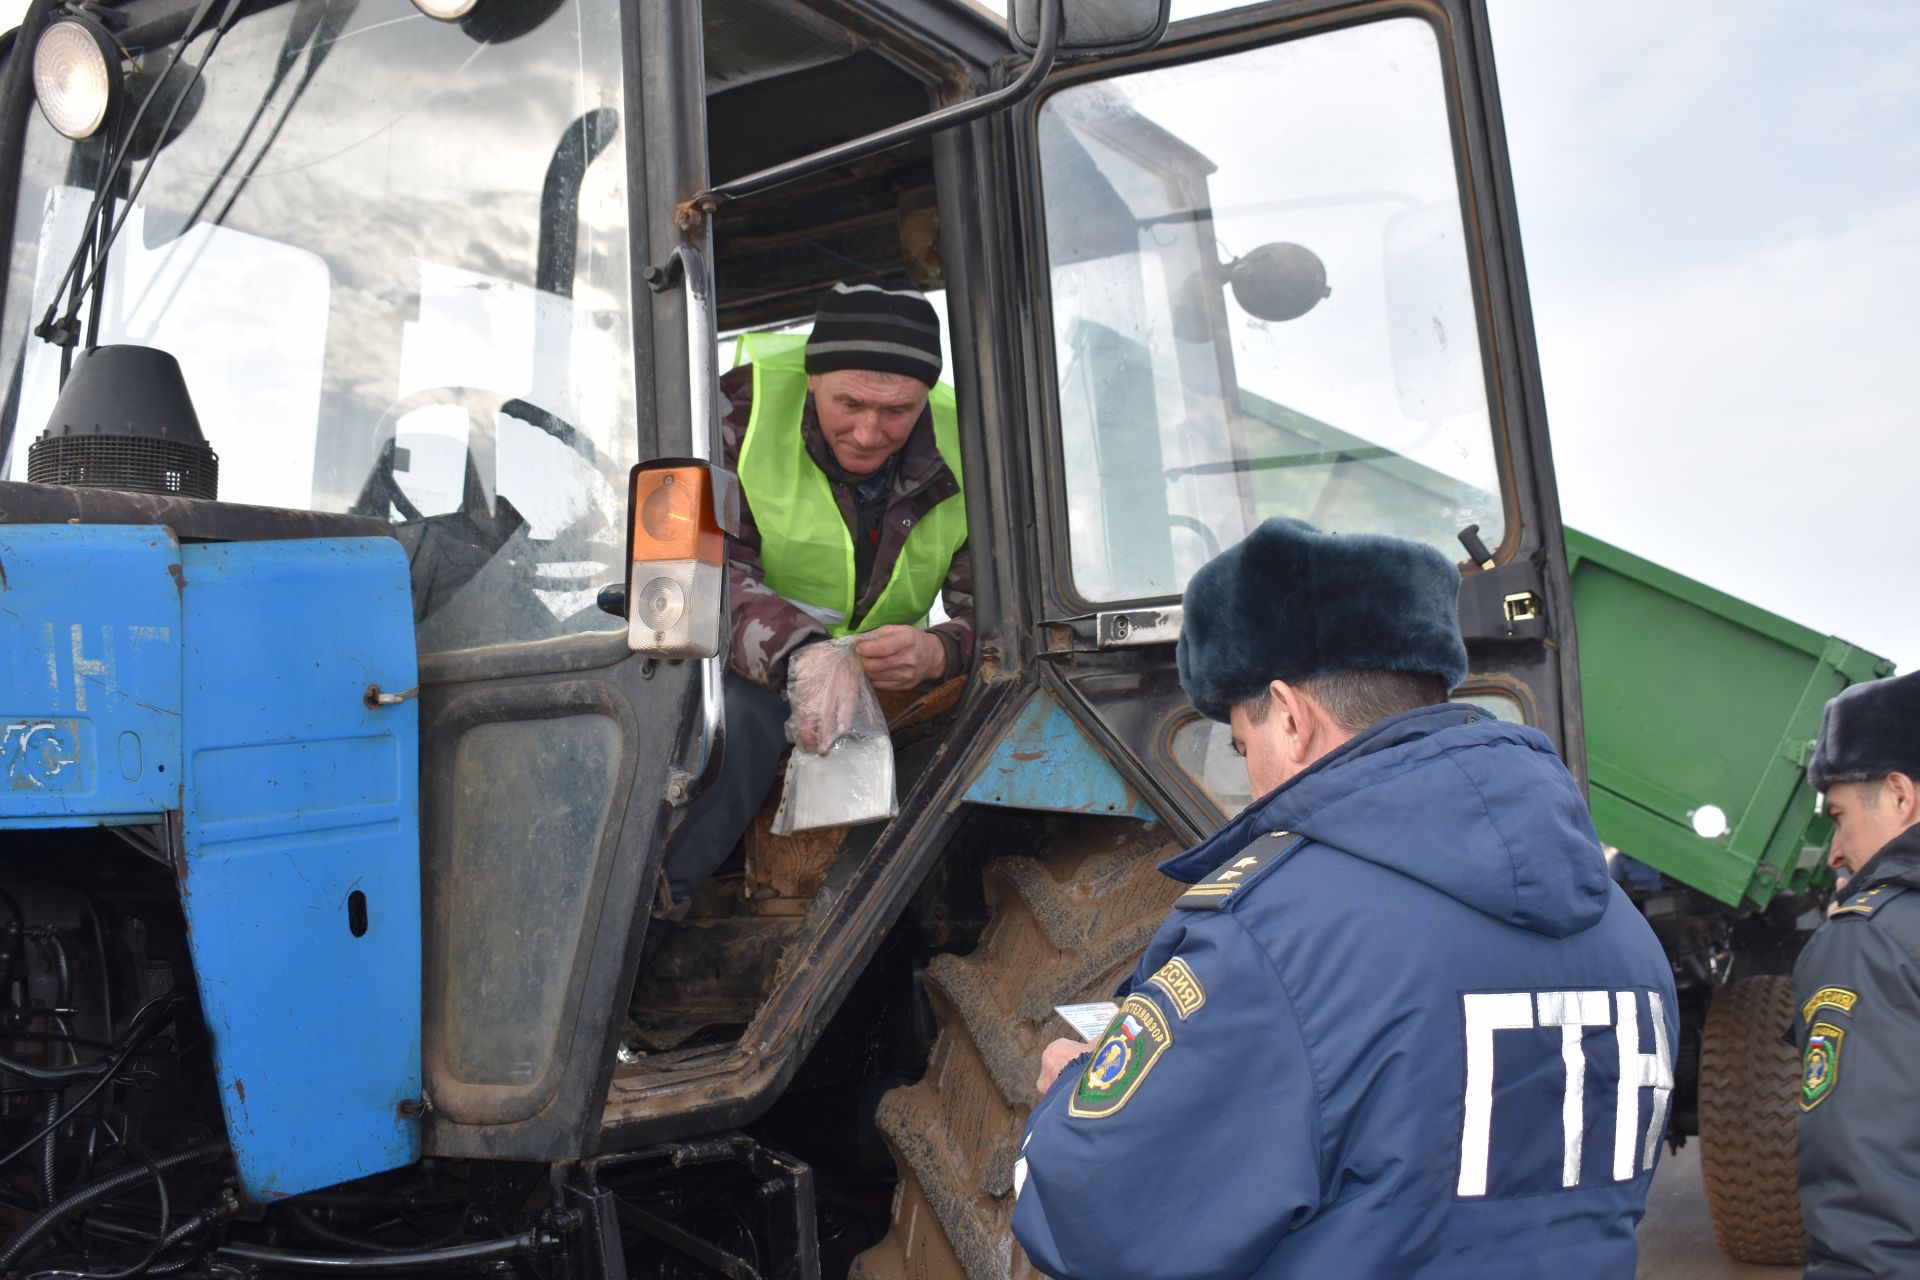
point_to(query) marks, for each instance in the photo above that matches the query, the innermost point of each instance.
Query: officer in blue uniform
(1857, 991)
(1402, 1023)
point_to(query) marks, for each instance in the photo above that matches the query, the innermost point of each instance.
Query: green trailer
(1701, 712)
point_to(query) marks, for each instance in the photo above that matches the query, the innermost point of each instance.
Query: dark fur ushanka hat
(1869, 731)
(1290, 603)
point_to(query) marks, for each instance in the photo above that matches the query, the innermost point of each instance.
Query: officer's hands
(1054, 1059)
(898, 657)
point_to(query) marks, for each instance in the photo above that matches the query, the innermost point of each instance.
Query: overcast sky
(1720, 203)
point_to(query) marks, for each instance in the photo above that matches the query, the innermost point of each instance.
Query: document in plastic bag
(830, 701)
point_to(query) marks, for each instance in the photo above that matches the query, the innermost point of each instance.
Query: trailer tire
(1066, 926)
(1749, 1117)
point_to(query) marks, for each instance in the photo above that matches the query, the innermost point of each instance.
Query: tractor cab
(440, 287)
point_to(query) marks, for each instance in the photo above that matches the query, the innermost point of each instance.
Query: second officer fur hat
(1869, 731)
(1291, 603)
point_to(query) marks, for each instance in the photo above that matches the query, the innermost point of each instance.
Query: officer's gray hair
(1867, 790)
(1355, 699)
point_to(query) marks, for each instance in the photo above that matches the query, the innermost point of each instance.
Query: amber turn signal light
(672, 516)
(678, 554)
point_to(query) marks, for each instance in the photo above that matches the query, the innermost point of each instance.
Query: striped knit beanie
(871, 327)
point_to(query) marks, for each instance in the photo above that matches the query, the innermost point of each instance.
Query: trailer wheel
(1065, 927)
(1749, 1116)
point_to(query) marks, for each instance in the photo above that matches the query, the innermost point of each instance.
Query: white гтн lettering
(1571, 1012)
(1639, 1071)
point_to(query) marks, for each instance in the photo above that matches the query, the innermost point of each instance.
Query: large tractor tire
(1066, 927)
(1749, 1117)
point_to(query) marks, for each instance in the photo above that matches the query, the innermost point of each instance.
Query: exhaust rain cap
(124, 420)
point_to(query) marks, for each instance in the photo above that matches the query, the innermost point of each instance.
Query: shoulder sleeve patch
(1137, 1037)
(1213, 893)
(1820, 1064)
(1177, 979)
(1829, 998)
(1871, 900)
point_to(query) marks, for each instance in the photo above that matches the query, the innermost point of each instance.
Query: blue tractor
(362, 587)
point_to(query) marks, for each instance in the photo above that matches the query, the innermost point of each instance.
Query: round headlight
(76, 76)
(445, 10)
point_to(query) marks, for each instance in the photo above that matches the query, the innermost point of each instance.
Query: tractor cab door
(1274, 271)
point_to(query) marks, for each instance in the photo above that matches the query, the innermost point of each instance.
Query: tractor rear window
(1262, 305)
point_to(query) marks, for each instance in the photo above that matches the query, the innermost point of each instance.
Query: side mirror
(1093, 28)
(1278, 282)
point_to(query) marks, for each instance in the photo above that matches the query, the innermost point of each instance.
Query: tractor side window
(1262, 305)
(389, 295)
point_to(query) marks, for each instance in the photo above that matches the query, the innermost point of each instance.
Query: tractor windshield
(390, 254)
(1263, 306)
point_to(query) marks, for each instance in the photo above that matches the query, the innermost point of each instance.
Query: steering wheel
(382, 489)
(1207, 536)
(483, 522)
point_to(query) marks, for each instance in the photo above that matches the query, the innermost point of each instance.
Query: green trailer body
(1693, 699)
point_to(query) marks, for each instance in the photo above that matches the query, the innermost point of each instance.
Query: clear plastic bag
(840, 773)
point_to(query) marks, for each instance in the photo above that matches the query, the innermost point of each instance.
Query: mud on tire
(1749, 1113)
(1066, 926)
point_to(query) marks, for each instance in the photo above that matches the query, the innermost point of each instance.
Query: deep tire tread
(1749, 1123)
(1066, 926)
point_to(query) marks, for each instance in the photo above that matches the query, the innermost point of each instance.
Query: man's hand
(824, 721)
(898, 657)
(1054, 1059)
(824, 689)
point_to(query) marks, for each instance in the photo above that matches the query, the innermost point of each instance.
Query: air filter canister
(125, 421)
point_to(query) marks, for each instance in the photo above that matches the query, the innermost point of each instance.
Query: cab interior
(783, 80)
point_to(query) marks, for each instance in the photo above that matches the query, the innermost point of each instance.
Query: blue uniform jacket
(1402, 1025)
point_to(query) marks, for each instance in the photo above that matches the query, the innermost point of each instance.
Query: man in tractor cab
(1402, 1024)
(1857, 989)
(851, 524)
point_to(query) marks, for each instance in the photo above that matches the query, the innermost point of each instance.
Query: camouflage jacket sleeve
(766, 629)
(956, 597)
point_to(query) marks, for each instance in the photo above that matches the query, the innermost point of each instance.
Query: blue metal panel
(89, 674)
(1046, 761)
(302, 823)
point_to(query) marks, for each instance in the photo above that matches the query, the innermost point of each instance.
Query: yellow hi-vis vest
(806, 548)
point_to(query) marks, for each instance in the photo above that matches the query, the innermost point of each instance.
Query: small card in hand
(1088, 1020)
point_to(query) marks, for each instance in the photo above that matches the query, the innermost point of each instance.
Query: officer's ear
(1297, 717)
(1903, 794)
